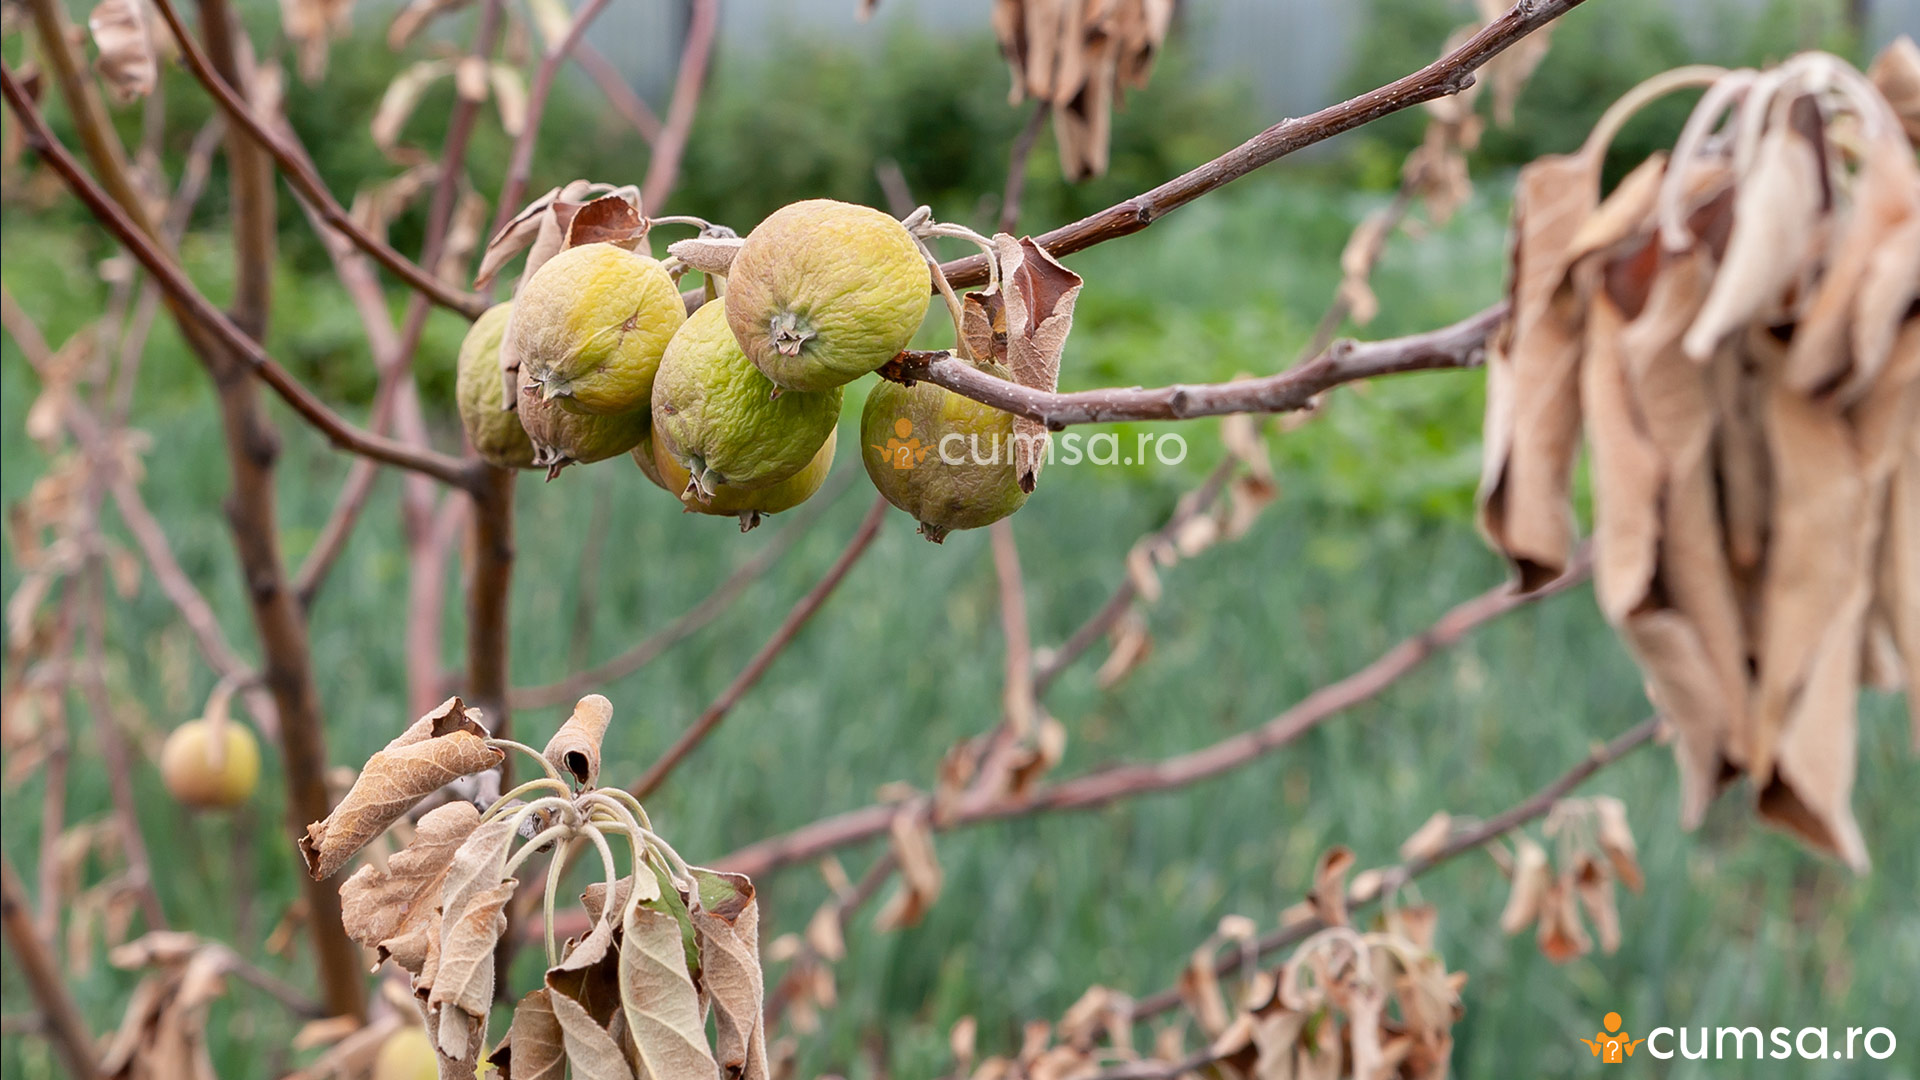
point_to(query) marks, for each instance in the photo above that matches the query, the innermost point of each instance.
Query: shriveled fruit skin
(591, 324)
(561, 438)
(907, 464)
(717, 416)
(496, 434)
(823, 292)
(729, 501)
(196, 779)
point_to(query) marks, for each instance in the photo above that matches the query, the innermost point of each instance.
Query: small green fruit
(590, 325)
(495, 433)
(748, 506)
(406, 1055)
(724, 423)
(561, 438)
(209, 775)
(823, 292)
(944, 458)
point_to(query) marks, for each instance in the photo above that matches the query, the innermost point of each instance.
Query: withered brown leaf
(395, 910)
(658, 998)
(439, 748)
(1038, 294)
(534, 1048)
(729, 937)
(575, 748)
(126, 63)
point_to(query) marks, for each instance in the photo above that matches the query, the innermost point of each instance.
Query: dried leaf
(439, 748)
(920, 874)
(1429, 838)
(310, 25)
(1896, 74)
(509, 96)
(1776, 219)
(1357, 261)
(1329, 895)
(729, 935)
(708, 255)
(1199, 989)
(1529, 891)
(1039, 295)
(575, 749)
(1562, 937)
(1533, 398)
(395, 910)
(535, 1048)
(402, 96)
(658, 999)
(1594, 886)
(592, 1053)
(126, 62)
(470, 926)
(607, 220)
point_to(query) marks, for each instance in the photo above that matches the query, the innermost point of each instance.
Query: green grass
(1369, 542)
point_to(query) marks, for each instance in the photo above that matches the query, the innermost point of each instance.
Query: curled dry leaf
(608, 219)
(1616, 842)
(1429, 838)
(658, 999)
(920, 874)
(402, 96)
(709, 255)
(1896, 74)
(415, 15)
(126, 63)
(1329, 895)
(1533, 400)
(1562, 937)
(1079, 58)
(395, 910)
(312, 25)
(1038, 294)
(440, 747)
(575, 749)
(1531, 878)
(534, 1048)
(728, 932)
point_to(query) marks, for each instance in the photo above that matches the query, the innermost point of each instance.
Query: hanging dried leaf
(1078, 59)
(1531, 879)
(1594, 886)
(1038, 294)
(920, 874)
(1329, 895)
(534, 1048)
(395, 910)
(126, 63)
(311, 25)
(592, 1053)
(575, 748)
(509, 96)
(728, 933)
(1615, 838)
(1896, 74)
(1429, 838)
(471, 925)
(1562, 937)
(658, 998)
(1357, 261)
(402, 96)
(439, 748)
(1776, 225)
(1533, 400)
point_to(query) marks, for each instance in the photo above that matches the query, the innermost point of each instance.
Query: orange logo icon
(1612, 1046)
(904, 450)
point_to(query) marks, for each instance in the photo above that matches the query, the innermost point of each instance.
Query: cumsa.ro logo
(1612, 1046)
(904, 449)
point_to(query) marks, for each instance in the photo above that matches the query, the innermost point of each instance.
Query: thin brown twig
(1450, 74)
(1393, 878)
(65, 1027)
(250, 181)
(789, 629)
(513, 189)
(300, 173)
(1462, 345)
(569, 689)
(1127, 781)
(195, 309)
(663, 168)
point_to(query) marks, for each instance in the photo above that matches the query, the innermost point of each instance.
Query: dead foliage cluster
(1562, 894)
(1733, 330)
